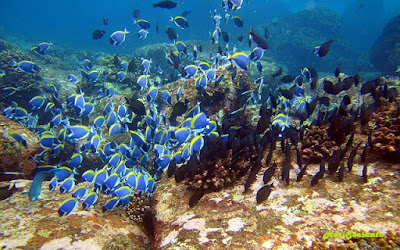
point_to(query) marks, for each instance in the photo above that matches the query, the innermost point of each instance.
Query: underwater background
(200, 124)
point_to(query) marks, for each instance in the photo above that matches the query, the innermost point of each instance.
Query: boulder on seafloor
(36, 224)
(293, 39)
(293, 217)
(385, 54)
(15, 157)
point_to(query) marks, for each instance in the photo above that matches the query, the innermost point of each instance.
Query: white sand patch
(183, 219)
(235, 225)
(170, 239)
(195, 224)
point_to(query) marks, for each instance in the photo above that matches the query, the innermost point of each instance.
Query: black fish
(269, 173)
(302, 173)
(250, 180)
(287, 79)
(238, 21)
(350, 160)
(172, 35)
(219, 79)
(363, 155)
(311, 106)
(322, 50)
(266, 33)
(318, 176)
(341, 172)
(365, 173)
(357, 79)
(337, 71)
(200, 48)
(348, 82)
(186, 12)
(259, 40)
(273, 100)
(314, 83)
(136, 107)
(105, 20)
(285, 171)
(192, 165)
(7, 191)
(116, 61)
(313, 72)
(220, 50)
(259, 66)
(300, 80)
(195, 198)
(264, 193)
(368, 87)
(240, 38)
(249, 42)
(136, 13)
(331, 88)
(349, 143)
(277, 73)
(97, 34)
(171, 168)
(263, 123)
(324, 100)
(132, 66)
(346, 100)
(225, 36)
(157, 28)
(334, 162)
(288, 93)
(299, 158)
(178, 109)
(166, 4)
(180, 174)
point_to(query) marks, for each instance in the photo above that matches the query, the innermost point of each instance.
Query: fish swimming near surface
(166, 4)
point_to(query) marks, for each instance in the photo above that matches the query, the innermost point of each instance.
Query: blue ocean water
(71, 23)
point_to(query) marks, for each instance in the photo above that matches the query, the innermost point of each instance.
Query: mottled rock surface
(13, 155)
(35, 224)
(293, 216)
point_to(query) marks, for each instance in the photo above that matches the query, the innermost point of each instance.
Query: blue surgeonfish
(67, 185)
(241, 60)
(109, 206)
(166, 96)
(142, 34)
(90, 200)
(143, 24)
(196, 144)
(118, 37)
(180, 21)
(37, 102)
(122, 191)
(142, 82)
(72, 78)
(88, 175)
(77, 132)
(68, 206)
(80, 193)
(53, 183)
(17, 136)
(26, 66)
(120, 76)
(41, 47)
(112, 181)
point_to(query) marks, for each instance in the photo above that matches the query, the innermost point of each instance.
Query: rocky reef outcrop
(385, 54)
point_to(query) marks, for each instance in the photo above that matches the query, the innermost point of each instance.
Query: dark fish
(368, 87)
(166, 4)
(266, 33)
(341, 172)
(311, 106)
(302, 173)
(132, 66)
(314, 83)
(97, 34)
(171, 168)
(365, 173)
(264, 193)
(263, 123)
(219, 79)
(259, 66)
(7, 191)
(157, 28)
(180, 174)
(322, 50)
(178, 110)
(136, 107)
(357, 79)
(348, 82)
(273, 100)
(249, 42)
(300, 80)
(200, 48)
(186, 12)
(270, 153)
(238, 21)
(350, 160)
(116, 61)
(269, 173)
(331, 88)
(313, 72)
(240, 38)
(136, 13)
(233, 75)
(285, 171)
(337, 71)
(250, 180)
(172, 35)
(288, 93)
(225, 36)
(393, 93)
(105, 20)
(287, 79)
(318, 176)
(346, 100)
(259, 40)
(324, 100)
(349, 143)
(195, 198)
(220, 51)
(299, 158)
(334, 162)
(277, 73)
(363, 155)
(192, 165)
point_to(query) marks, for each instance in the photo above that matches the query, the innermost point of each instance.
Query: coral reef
(317, 144)
(385, 131)
(138, 208)
(385, 54)
(15, 157)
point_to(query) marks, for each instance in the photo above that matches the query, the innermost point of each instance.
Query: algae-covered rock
(293, 217)
(14, 156)
(385, 54)
(36, 224)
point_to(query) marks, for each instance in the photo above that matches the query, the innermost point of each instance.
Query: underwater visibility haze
(207, 124)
